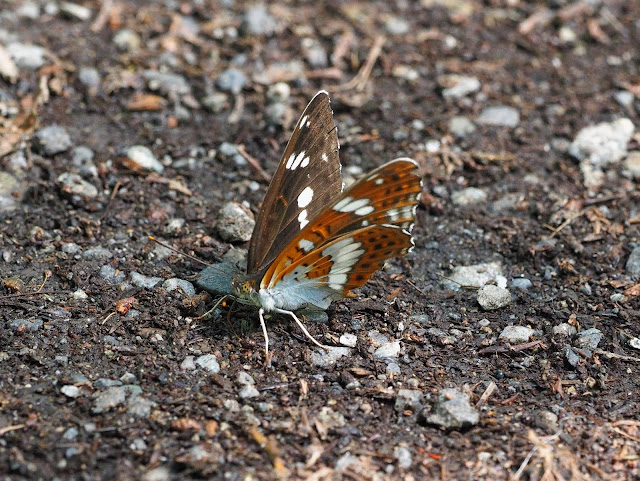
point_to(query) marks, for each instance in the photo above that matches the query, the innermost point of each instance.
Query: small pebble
(589, 339)
(232, 80)
(476, 275)
(145, 282)
(631, 165)
(564, 330)
(74, 185)
(499, 116)
(397, 26)
(75, 10)
(349, 340)
(111, 275)
(216, 102)
(70, 434)
(452, 410)
(387, 350)
(624, 98)
(461, 126)
(108, 399)
(26, 56)
(469, 196)
(392, 369)
(328, 357)
(516, 334)
(458, 86)
(279, 93)
(52, 140)
(70, 391)
(28, 325)
(160, 473)
(188, 364)
(167, 83)
(403, 456)
(408, 399)
(184, 286)
(90, 78)
(208, 362)
(521, 283)
(234, 223)
(140, 407)
(97, 253)
(618, 297)
(492, 297)
(258, 21)
(633, 263)
(139, 157)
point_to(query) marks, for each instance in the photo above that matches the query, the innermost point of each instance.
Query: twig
(516, 348)
(571, 218)
(103, 15)
(238, 109)
(359, 81)
(613, 355)
(253, 162)
(486, 394)
(7, 429)
(27, 294)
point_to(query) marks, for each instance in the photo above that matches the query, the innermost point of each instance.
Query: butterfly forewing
(346, 262)
(307, 180)
(387, 195)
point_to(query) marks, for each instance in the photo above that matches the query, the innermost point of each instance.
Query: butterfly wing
(387, 195)
(307, 179)
(345, 263)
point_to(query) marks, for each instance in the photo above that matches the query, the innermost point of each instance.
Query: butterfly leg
(267, 358)
(304, 329)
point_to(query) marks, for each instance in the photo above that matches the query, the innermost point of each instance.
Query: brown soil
(541, 418)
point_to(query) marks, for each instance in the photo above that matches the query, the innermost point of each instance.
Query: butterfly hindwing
(387, 195)
(307, 180)
(345, 263)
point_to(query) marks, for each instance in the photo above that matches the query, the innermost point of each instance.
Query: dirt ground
(105, 374)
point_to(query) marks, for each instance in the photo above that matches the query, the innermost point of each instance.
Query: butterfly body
(314, 243)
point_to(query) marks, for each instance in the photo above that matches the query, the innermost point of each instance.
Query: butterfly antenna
(173, 249)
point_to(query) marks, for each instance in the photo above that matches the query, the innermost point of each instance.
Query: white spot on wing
(305, 197)
(306, 245)
(379, 181)
(325, 157)
(366, 210)
(295, 160)
(303, 121)
(394, 214)
(349, 204)
(337, 281)
(302, 218)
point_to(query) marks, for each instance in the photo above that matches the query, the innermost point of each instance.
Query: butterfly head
(244, 287)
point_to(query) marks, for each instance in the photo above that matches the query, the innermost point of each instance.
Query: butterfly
(314, 242)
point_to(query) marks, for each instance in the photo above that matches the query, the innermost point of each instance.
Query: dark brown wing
(306, 181)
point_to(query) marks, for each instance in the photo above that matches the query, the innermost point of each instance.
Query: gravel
(492, 297)
(499, 116)
(516, 334)
(452, 410)
(469, 196)
(234, 223)
(140, 157)
(52, 140)
(328, 357)
(146, 282)
(208, 362)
